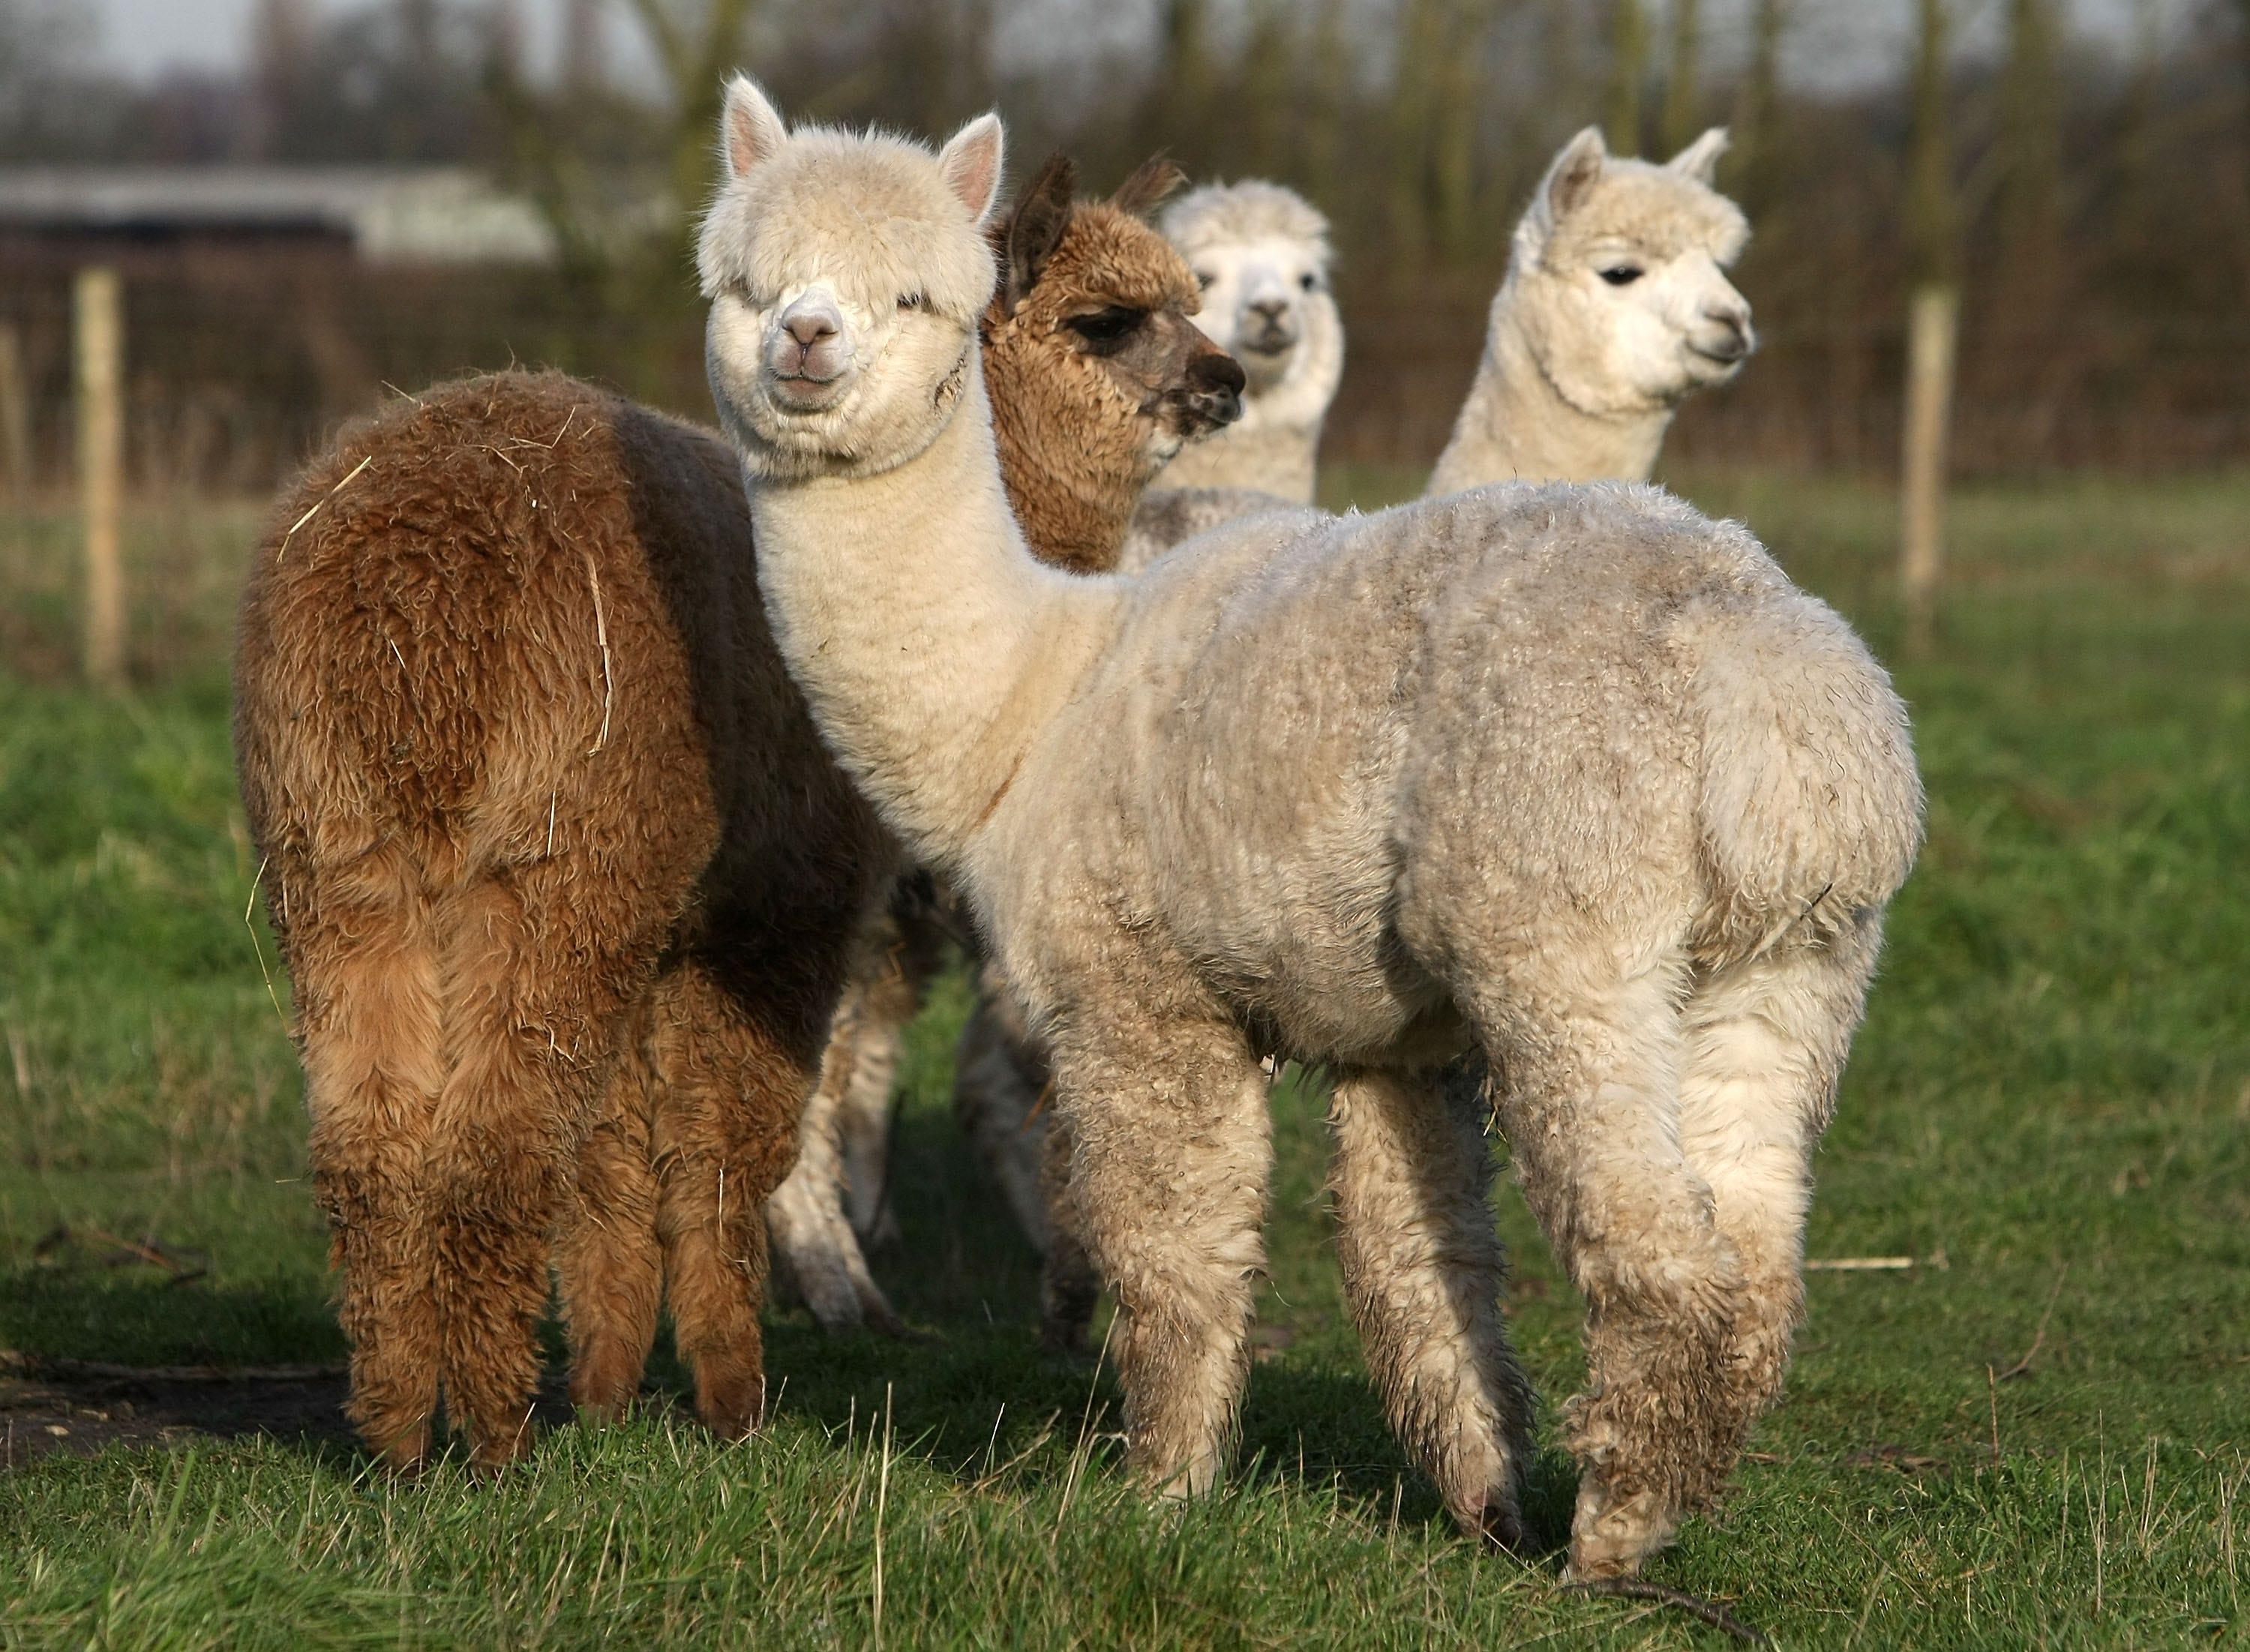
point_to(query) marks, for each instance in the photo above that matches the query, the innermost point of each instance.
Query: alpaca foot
(1067, 1335)
(492, 1455)
(1610, 1536)
(604, 1383)
(406, 1453)
(730, 1402)
(1497, 1522)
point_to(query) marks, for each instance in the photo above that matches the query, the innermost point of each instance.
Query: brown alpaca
(1084, 344)
(566, 883)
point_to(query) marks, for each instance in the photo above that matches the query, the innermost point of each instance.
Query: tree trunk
(1760, 154)
(14, 416)
(583, 75)
(1683, 91)
(1628, 68)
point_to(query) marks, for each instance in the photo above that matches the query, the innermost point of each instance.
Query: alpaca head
(1618, 277)
(1099, 374)
(845, 275)
(1260, 254)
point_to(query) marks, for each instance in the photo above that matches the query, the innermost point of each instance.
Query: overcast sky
(1848, 39)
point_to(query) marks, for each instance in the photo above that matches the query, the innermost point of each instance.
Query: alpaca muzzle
(1214, 394)
(808, 351)
(1725, 337)
(1269, 326)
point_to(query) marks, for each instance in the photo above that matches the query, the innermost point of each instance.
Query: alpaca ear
(1574, 175)
(750, 132)
(1152, 180)
(1035, 228)
(1700, 160)
(970, 165)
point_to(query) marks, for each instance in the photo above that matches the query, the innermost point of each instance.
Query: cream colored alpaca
(1261, 255)
(1615, 307)
(1571, 779)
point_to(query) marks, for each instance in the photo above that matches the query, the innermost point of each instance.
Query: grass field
(2037, 1436)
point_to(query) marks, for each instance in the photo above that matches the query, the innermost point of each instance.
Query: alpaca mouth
(1273, 340)
(802, 393)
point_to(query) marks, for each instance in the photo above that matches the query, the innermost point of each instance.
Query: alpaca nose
(811, 344)
(1736, 339)
(809, 327)
(1217, 371)
(1270, 310)
(1215, 382)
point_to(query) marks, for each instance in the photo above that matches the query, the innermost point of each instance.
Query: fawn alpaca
(565, 881)
(1570, 778)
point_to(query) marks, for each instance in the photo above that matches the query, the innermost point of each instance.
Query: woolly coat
(1592, 698)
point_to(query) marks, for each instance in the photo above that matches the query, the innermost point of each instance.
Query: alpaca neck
(930, 644)
(1271, 457)
(1073, 482)
(1517, 426)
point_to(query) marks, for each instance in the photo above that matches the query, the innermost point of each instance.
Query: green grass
(2052, 1095)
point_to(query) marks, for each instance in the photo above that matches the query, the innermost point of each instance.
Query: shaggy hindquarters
(563, 880)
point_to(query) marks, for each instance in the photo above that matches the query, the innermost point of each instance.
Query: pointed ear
(1152, 180)
(970, 164)
(750, 132)
(1700, 160)
(1035, 228)
(1574, 175)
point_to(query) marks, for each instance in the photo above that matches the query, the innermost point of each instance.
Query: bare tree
(582, 71)
(1683, 91)
(2031, 141)
(1628, 45)
(1760, 153)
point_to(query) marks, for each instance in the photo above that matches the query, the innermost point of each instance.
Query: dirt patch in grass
(52, 1407)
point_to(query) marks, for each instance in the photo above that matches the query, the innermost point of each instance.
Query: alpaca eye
(1308, 282)
(1203, 278)
(1107, 329)
(1622, 274)
(913, 300)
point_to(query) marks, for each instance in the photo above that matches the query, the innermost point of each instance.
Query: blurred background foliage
(2099, 191)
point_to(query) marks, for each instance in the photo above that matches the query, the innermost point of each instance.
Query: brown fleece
(1079, 436)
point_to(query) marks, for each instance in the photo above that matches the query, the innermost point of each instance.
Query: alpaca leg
(1766, 1043)
(730, 1096)
(864, 1117)
(608, 1267)
(365, 964)
(1172, 1153)
(815, 1251)
(535, 1029)
(1001, 1079)
(1423, 1268)
(1070, 1286)
(1589, 1104)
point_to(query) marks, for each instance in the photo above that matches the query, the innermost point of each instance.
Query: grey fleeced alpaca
(1571, 777)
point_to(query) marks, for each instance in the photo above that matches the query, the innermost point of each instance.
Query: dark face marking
(1165, 364)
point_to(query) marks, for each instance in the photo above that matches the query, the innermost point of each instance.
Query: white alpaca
(1615, 307)
(1572, 780)
(1261, 255)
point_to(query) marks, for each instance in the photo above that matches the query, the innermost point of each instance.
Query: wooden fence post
(102, 469)
(1933, 326)
(15, 417)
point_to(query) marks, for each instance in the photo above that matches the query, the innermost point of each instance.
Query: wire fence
(240, 364)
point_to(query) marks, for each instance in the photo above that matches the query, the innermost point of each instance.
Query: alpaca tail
(1811, 803)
